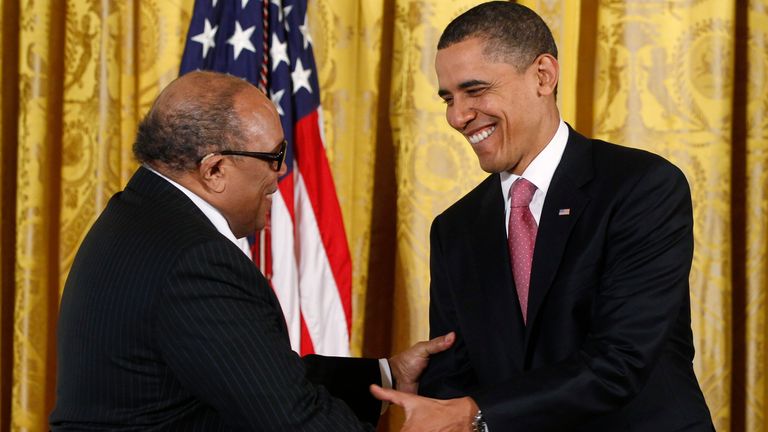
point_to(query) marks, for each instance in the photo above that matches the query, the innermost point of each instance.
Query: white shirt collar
(212, 213)
(540, 171)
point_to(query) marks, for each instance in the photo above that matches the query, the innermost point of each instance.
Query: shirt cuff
(386, 380)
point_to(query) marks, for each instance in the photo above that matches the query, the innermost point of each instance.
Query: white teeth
(476, 138)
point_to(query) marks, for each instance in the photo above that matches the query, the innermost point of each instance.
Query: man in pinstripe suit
(165, 324)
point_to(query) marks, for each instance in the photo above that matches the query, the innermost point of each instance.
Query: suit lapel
(563, 207)
(498, 304)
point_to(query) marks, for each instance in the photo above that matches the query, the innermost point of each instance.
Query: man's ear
(547, 72)
(211, 173)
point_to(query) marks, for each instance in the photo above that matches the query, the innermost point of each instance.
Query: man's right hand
(408, 365)
(428, 415)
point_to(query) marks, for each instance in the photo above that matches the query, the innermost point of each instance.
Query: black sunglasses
(276, 159)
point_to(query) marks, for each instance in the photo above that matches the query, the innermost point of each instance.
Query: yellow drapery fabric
(686, 79)
(38, 108)
(749, 321)
(87, 71)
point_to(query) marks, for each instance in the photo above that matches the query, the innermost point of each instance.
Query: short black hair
(178, 134)
(512, 32)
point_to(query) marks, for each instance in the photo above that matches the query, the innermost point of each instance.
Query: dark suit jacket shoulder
(608, 344)
(166, 325)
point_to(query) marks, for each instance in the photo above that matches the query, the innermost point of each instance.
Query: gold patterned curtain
(687, 79)
(77, 76)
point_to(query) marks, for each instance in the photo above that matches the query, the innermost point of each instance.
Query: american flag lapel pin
(564, 212)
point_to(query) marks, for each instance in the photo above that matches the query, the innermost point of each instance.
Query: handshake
(421, 413)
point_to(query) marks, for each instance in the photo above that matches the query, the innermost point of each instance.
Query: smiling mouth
(480, 136)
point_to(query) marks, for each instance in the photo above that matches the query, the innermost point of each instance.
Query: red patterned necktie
(521, 238)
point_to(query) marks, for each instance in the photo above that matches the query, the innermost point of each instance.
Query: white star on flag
(278, 52)
(277, 97)
(245, 3)
(304, 29)
(300, 77)
(206, 37)
(214, 2)
(287, 10)
(241, 39)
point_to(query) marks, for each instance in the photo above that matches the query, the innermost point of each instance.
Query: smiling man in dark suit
(165, 324)
(565, 273)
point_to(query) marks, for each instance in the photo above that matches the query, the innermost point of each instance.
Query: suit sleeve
(222, 334)
(449, 374)
(348, 379)
(644, 285)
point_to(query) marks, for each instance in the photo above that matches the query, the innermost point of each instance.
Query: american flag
(304, 250)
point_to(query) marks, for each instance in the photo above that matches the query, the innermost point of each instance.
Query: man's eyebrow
(465, 85)
(472, 83)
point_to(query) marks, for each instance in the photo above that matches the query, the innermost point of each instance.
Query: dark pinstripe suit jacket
(166, 325)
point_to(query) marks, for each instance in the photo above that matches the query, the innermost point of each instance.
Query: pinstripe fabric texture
(166, 325)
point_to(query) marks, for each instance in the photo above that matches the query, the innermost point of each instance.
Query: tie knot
(522, 192)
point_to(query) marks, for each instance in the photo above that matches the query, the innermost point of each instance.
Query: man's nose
(459, 114)
(283, 169)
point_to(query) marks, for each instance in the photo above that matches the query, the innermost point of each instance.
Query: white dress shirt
(539, 172)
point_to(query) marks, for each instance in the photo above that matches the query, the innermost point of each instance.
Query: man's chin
(491, 167)
(260, 224)
(246, 231)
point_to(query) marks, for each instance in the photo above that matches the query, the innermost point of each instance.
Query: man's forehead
(460, 57)
(457, 74)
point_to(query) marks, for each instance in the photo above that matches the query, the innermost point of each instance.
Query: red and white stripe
(311, 265)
